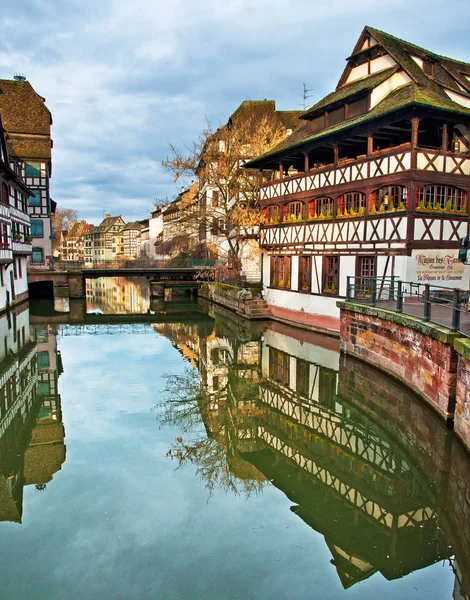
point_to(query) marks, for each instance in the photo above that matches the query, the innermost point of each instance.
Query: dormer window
(349, 110)
(428, 68)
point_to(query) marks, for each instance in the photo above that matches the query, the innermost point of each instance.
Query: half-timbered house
(375, 182)
(27, 122)
(15, 229)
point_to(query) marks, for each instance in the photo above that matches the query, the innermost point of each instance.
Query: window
(280, 272)
(305, 273)
(366, 267)
(351, 204)
(35, 199)
(330, 273)
(294, 211)
(336, 116)
(36, 228)
(4, 235)
(358, 107)
(4, 194)
(44, 388)
(441, 198)
(317, 123)
(273, 214)
(215, 198)
(37, 256)
(303, 377)
(279, 363)
(390, 197)
(40, 334)
(326, 386)
(20, 270)
(428, 67)
(33, 170)
(322, 208)
(43, 360)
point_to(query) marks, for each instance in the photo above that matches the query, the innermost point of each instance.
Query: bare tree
(61, 220)
(215, 453)
(217, 159)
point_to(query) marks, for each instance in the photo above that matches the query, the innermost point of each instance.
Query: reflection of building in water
(352, 482)
(274, 399)
(31, 432)
(118, 295)
(184, 337)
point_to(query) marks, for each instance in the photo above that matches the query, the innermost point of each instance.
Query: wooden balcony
(6, 254)
(382, 163)
(21, 247)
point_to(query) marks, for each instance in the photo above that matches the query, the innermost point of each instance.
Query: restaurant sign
(441, 267)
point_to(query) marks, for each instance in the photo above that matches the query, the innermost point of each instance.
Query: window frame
(305, 274)
(330, 274)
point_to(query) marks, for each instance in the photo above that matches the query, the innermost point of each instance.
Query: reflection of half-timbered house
(348, 477)
(373, 182)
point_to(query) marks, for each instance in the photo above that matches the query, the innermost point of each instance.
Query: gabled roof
(423, 90)
(134, 225)
(106, 224)
(23, 111)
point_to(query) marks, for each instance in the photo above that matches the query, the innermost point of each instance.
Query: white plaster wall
(378, 64)
(302, 350)
(381, 63)
(294, 275)
(21, 284)
(392, 83)
(358, 73)
(317, 263)
(458, 98)
(44, 242)
(155, 228)
(347, 267)
(418, 61)
(250, 255)
(319, 305)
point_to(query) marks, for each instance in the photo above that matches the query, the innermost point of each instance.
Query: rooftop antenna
(19, 77)
(306, 96)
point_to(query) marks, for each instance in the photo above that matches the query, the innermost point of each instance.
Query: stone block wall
(419, 354)
(462, 395)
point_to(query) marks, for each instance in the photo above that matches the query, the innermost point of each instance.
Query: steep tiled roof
(106, 224)
(350, 90)
(29, 147)
(23, 111)
(134, 225)
(423, 90)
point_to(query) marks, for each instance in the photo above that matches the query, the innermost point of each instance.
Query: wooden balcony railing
(380, 163)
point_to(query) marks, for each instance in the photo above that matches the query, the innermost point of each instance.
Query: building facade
(104, 243)
(374, 183)
(15, 229)
(72, 245)
(27, 122)
(230, 232)
(131, 238)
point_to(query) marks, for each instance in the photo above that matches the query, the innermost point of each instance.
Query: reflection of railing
(137, 264)
(440, 305)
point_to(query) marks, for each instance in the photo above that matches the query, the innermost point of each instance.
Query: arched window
(389, 198)
(320, 208)
(441, 198)
(351, 204)
(294, 211)
(273, 214)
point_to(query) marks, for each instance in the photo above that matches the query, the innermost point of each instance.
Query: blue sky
(123, 79)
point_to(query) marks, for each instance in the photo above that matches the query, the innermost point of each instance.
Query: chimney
(107, 216)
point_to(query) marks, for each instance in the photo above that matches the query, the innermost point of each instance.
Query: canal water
(164, 449)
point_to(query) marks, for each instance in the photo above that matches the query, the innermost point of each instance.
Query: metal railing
(437, 304)
(138, 264)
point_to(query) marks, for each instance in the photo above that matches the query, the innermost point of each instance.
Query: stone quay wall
(430, 359)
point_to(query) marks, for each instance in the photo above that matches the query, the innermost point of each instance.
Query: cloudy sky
(123, 79)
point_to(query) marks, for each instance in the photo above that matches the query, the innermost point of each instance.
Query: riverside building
(374, 183)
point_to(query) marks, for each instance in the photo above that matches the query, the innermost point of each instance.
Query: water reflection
(363, 461)
(32, 436)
